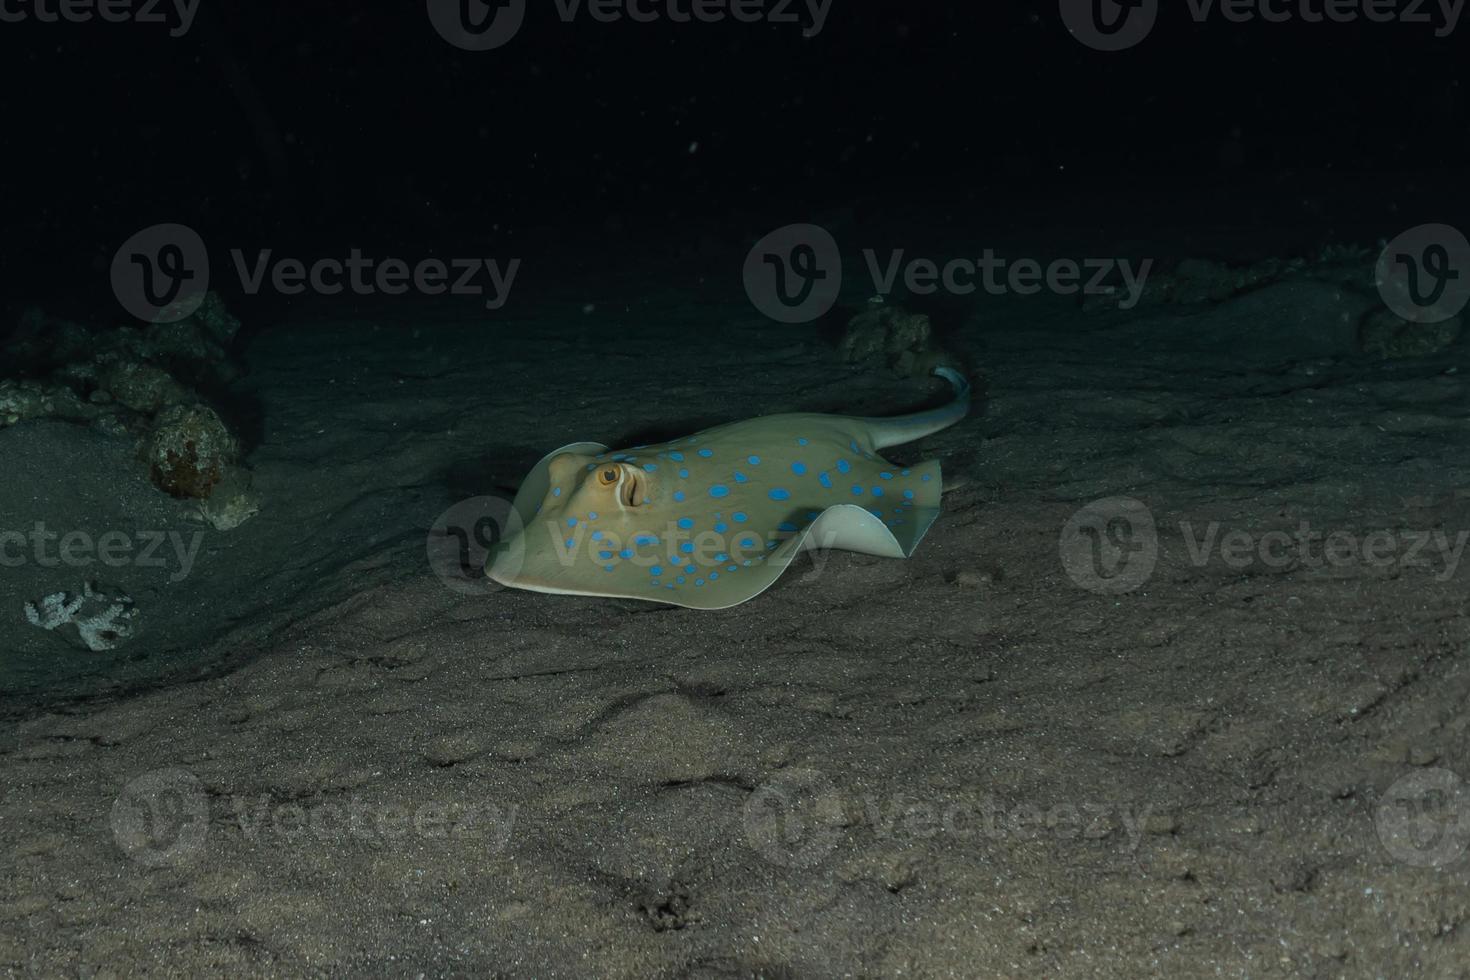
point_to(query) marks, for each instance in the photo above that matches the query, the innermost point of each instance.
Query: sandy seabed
(989, 760)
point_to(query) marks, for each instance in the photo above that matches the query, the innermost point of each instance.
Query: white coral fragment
(53, 611)
(103, 620)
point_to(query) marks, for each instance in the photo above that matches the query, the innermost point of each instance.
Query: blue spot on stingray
(678, 496)
(904, 472)
(622, 456)
(713, 576)
(753, 460)
(721, 527)
(801, 441)
(677, 457)
(812, 515)
(687, 547)
(876, 513)
(706, 453)
(799, 469)
(739, 516)
(683, 474)
(644, 538)
(680, 580)
(852, 444)
(843, 466)
(825, 481)
(604, 555)
(857, 491)
(699, 581)
(626, 553)
(722, 557)
(669, 586)
(786, 526)
(556, 492)
(777, 493)
(886, 476)
(650, 467)
(686, 523)
(731, 568)
(656, 570)
(877, 491)
(571, 522)
(719, 490)
(771, 544)
(747, 542)
(596, 535)
(925, 477)
(689, 569)
(740, 477)
(571, 543)
(909, 494)
(607, 568)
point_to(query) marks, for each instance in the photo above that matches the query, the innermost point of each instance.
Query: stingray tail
(906, 428)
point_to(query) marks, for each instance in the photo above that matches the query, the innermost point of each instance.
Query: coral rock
(903, 340)
(189, 450)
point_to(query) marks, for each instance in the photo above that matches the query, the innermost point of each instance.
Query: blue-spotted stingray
(712, 520)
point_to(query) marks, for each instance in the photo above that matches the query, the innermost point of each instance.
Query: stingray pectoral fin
(538, 482)
(848, 527)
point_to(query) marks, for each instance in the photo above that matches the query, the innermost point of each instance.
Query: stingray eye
(607, 477)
